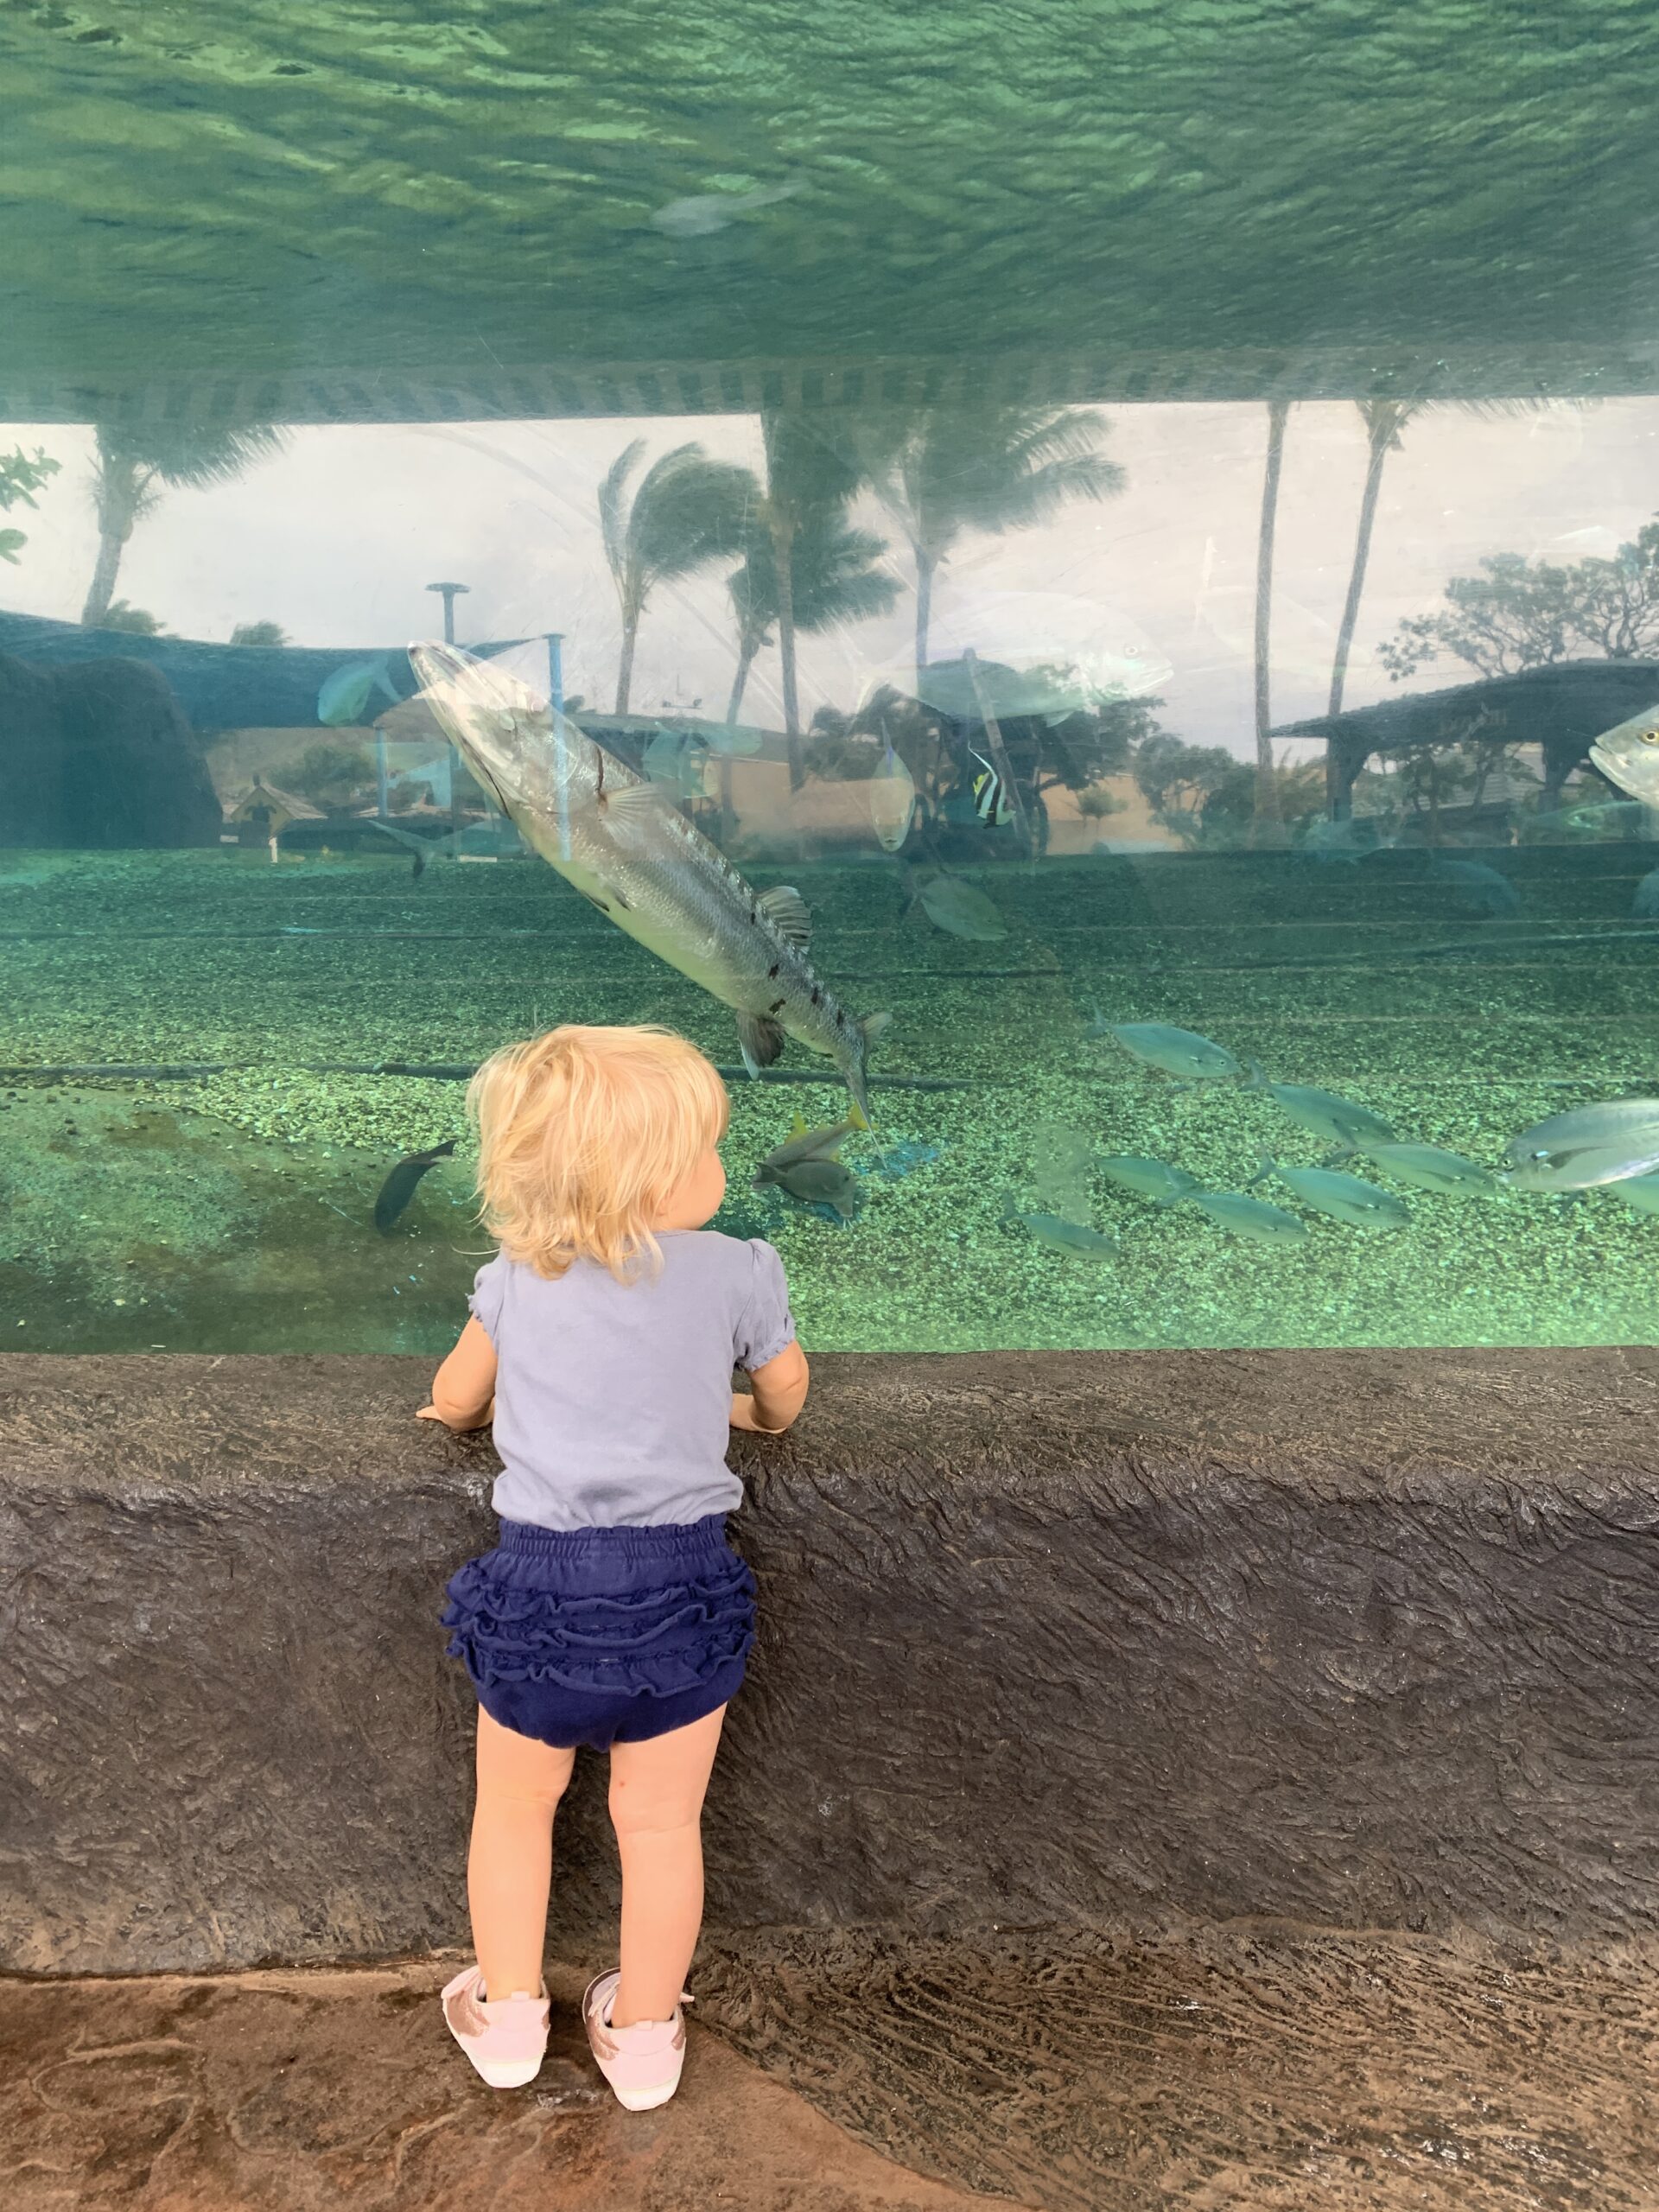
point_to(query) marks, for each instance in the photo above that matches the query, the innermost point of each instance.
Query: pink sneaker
(642, 2064)
(505, 2038)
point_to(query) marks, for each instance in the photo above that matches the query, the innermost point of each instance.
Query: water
(257, 921)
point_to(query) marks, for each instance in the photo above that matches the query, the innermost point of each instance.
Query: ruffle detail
(654, 1642)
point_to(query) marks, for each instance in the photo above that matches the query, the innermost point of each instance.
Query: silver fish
(634, 857)
(1252, 1217)
(1343, 1197)
(1428, 1169)
(1179, 1053)
(705, 213)
(1338, 1120)
(1482, 889)
(892, 801)
(1063, 1235)
(1628, 755)
(1149, 1179)
(1588, 1145)
(1641, 1192)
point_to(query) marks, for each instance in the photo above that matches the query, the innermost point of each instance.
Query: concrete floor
(303, 2092)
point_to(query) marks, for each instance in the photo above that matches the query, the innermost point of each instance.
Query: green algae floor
(230, 1210)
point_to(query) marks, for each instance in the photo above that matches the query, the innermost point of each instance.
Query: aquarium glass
(1137, 516)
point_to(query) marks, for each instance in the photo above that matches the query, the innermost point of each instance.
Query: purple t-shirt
(612, 1400)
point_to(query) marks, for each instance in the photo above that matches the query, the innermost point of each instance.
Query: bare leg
(656, 1792)
(509, 1866)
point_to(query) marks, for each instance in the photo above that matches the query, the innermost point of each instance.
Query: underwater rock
(97, 754)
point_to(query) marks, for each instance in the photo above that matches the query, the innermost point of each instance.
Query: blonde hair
(583, 1135)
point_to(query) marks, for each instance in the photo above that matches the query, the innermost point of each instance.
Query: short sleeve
(489, 1290)
(765, 1325)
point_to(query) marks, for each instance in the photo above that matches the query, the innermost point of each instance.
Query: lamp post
(451, 594)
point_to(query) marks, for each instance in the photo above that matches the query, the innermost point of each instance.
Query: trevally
(1247, 1216)
(1149, 1179)
(1180, 1053)
(617, 839)
(1343, 1197)
(1628, 755)
(1641, 1192)
(1338, 1120)
(1588, 1145)
(1063, 1235)
(345, 695)
(1428, 1169)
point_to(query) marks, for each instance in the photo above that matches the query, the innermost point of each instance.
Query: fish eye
(1650, 737)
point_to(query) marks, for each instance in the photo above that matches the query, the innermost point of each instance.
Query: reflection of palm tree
(686, 511)
(135, 466)
(990, 468)
(809, 482)
(1384, 421)
(1267, 796)
(833, 581)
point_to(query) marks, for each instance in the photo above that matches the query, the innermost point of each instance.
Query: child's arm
(777, 1391)
(463, 1389)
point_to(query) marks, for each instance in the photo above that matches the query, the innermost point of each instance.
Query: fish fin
(760, 1039)
(858, 1117)
(785, 909)
(798, 1128)
(875, 1027)
(1257, 1080)
(1269, 1166)
(626, 806)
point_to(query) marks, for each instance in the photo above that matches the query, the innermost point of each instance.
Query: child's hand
(743, 1416)
(431, 1412)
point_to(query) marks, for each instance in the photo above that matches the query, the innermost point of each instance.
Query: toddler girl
(613, 1611)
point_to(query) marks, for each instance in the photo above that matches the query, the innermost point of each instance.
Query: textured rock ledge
(1362, 1639)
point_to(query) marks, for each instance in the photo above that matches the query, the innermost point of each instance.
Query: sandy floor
(1257, 2068)
(306, 2092)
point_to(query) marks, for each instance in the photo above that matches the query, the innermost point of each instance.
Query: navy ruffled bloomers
(603, 1636)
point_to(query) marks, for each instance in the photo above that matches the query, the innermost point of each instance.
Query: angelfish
(892, 801)
(617, 839)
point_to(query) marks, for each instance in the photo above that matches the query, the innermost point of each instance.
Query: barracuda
(619, 842)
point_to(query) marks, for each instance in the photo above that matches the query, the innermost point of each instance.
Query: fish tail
(1267, 1165)
(866, 1031)
(1256, 1080)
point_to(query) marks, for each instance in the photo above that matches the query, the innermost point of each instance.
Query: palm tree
(993, 467)
(1267, 796)
(809, 482)
(135, 466)
(685, 511)
(1385, 420)
(833, 581)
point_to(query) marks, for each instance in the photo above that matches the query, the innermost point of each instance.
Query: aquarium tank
(1073, 595)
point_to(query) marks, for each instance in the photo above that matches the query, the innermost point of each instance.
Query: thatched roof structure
(1561, 709)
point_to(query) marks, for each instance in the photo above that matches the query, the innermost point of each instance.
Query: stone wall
(97, 753)
(1365, 1639)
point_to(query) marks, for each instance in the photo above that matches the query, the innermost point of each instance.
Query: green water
(232, 1210)
(1202, 455)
